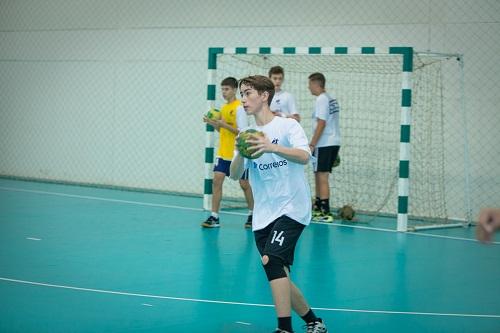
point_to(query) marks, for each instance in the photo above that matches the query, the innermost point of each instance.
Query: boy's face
(277, 80)
(228, 92)
(251, 100)
(314, 87)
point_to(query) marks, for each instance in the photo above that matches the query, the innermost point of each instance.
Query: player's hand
(488, 223)
(214, 123)
(261, 144)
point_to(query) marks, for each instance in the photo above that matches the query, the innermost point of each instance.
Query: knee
(274, 267)
(217, 182)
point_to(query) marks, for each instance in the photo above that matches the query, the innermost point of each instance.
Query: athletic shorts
(279, 239)
(222, 165)
(325, 157)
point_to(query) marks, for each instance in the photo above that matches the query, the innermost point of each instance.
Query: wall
(113, 91)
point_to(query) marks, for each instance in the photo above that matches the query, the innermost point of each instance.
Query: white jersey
(327, 109)
(283, 102)
(241, 118)
(279, 186)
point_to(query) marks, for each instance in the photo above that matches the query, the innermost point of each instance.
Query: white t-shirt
(327, 108)
(279, 186)
(241, 118)
(283, 102)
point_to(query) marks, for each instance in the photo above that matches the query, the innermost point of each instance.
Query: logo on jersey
(333, 106)
(269, 166)
(275, 141)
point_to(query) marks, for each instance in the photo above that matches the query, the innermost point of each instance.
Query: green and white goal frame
(406, 101)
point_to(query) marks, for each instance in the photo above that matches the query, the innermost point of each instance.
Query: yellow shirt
(227, 138)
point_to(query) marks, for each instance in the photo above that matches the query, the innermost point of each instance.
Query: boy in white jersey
(283, 103)
(233, 118)
(325, 144)
(282, 206)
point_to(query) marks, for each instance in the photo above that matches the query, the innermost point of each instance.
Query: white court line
(243, 323)
(86, 197)
(148, 204)
(101, 291)
(33, 238)
(395, 231)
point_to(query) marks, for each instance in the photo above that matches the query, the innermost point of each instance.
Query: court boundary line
(149, 204)
(197, 300)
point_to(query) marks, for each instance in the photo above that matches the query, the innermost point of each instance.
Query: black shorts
(279, 239)
(325, 157)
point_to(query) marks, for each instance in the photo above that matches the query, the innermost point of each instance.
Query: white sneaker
(316, 327)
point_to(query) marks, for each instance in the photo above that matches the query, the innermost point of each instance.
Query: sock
(310, 317)
(317, 203)
(325, 205)
(285, 323)
(216, 215)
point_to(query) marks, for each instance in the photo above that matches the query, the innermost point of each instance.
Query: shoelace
(311, 327)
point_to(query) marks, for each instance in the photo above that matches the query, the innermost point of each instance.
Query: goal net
(368, 88)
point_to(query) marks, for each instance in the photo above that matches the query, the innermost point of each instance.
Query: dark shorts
(222, 165)
(279, 239)
(325, 157)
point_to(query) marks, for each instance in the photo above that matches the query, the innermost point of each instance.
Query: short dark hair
(318, 77)
(230, 81)
(259, 83)
(276, 70)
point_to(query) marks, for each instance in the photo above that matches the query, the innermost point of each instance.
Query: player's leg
(277, 255)
(316, 210)
(302, 308)
(247, 191)
(221, 170)
(326, 158)
(217, 183)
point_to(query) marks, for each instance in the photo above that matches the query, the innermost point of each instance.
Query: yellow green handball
(213, 114)
(336, 163)
(244, 147)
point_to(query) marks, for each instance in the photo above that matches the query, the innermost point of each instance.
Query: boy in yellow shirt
(233, 118)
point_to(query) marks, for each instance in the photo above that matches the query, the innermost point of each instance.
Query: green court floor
(80, 259)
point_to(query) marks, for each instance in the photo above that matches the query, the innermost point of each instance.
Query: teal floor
(79, 259)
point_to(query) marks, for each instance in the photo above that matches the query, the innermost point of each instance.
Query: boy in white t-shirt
(283, 103)
(281, 193)
(325, 144)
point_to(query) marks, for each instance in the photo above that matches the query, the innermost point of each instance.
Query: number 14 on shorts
(278, 237)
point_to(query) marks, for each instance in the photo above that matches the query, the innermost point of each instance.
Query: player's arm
(298, 153)
(488, 223)
(225, 125)
(214, 123)
(322, 110)
(317, 133)
(293, 108)
(237, 167)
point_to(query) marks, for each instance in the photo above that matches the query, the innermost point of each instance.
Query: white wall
(113, 91)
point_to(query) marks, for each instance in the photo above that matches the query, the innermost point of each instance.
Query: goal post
(375, 90)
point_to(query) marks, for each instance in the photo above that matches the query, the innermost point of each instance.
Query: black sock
(310, 317)
(285, 323)
(325, 205)
(317, 203)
